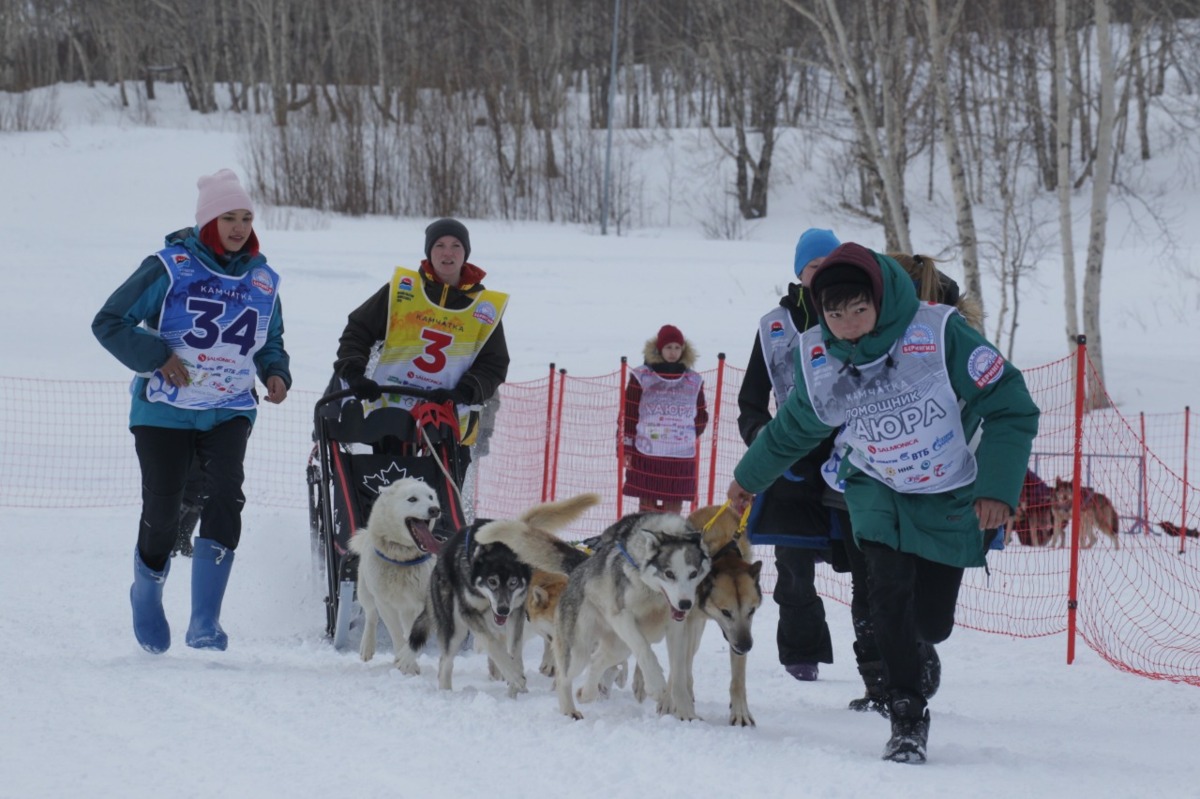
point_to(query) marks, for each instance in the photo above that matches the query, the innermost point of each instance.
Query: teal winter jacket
(941, 527)
(119, 329)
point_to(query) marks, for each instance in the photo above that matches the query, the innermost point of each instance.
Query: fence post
(562, 384)
(1076, 476)
(1144, 509)
(715, 427)
(549, 436)
(621, 438)
(1187, 427)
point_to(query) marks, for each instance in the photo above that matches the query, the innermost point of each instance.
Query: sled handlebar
(403, 391)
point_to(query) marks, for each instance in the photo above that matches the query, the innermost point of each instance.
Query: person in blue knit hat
(814, 244)
(789, 514)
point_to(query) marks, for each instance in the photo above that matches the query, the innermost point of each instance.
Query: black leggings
(165, 455)
(912, 602)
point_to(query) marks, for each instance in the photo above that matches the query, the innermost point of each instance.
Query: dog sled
(355, 454)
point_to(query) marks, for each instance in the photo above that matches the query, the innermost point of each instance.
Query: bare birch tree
(1062, 136)
(964, 214)
(882, 159)
(1101, 181)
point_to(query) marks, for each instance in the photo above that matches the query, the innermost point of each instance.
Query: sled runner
(355, 455)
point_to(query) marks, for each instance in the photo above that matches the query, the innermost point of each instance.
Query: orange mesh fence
(51, 457)
(1136, 586)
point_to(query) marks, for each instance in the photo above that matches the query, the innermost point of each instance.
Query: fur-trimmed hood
(653, 357)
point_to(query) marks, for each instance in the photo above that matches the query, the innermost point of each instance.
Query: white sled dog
(395, 563)
(642, 576)
(479, 586)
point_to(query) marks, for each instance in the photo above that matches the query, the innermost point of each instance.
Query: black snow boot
(189, 517)
(910, 731)
(873, 677)
(931, 670)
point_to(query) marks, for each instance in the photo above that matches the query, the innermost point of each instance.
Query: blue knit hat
(814, 243)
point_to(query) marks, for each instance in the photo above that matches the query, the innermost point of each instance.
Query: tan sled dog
(730, 595)
(545, 588)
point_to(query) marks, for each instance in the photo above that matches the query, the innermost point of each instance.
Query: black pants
(803, 634)
(860, 599)
(165, 455)
(912, 602)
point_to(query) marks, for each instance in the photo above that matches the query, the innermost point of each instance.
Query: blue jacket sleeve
(117, 326)
(273, 359)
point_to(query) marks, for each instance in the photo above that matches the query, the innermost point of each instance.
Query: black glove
(453, 395)
(364, 388)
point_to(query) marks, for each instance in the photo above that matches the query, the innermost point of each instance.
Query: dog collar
(628, 557)
(413, 562)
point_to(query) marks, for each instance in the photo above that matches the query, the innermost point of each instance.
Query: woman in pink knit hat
(665, 415)
(196, 323)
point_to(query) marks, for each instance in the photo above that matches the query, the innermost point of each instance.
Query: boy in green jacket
(938, 434)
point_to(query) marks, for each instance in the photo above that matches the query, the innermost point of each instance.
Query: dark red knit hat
(849, 263)
(668, 334)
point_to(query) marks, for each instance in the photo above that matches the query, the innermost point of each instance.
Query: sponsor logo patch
(817, 357)
(985, 366)
(918, 340)
(776, 330)
(485, 313)
(261, 279)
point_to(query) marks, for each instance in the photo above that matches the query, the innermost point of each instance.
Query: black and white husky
(479, 586)
(642, 576)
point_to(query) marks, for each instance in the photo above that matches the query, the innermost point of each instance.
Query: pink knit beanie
(220, 193)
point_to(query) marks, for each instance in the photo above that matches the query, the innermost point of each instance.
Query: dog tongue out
(500, 620)
(423, 536)
(677, 614)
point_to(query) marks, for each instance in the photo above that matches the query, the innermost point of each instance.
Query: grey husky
(479, 586)
(642, 576)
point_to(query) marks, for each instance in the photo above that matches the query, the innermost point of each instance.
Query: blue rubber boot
(145, 595)
(211, 563)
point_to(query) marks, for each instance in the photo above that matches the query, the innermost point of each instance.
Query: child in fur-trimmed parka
(660, 430)
(913, 385)
(196, 323)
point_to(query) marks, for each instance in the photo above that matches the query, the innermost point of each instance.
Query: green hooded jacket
(938, 527)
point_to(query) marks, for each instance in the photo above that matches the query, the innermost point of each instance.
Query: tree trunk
(882, 167)
(963, 212)
(1062, 136)
(1101, 181)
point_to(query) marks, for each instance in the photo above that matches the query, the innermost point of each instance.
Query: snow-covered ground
(85, 712)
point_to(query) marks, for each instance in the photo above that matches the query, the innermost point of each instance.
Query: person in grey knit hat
(461, 353)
